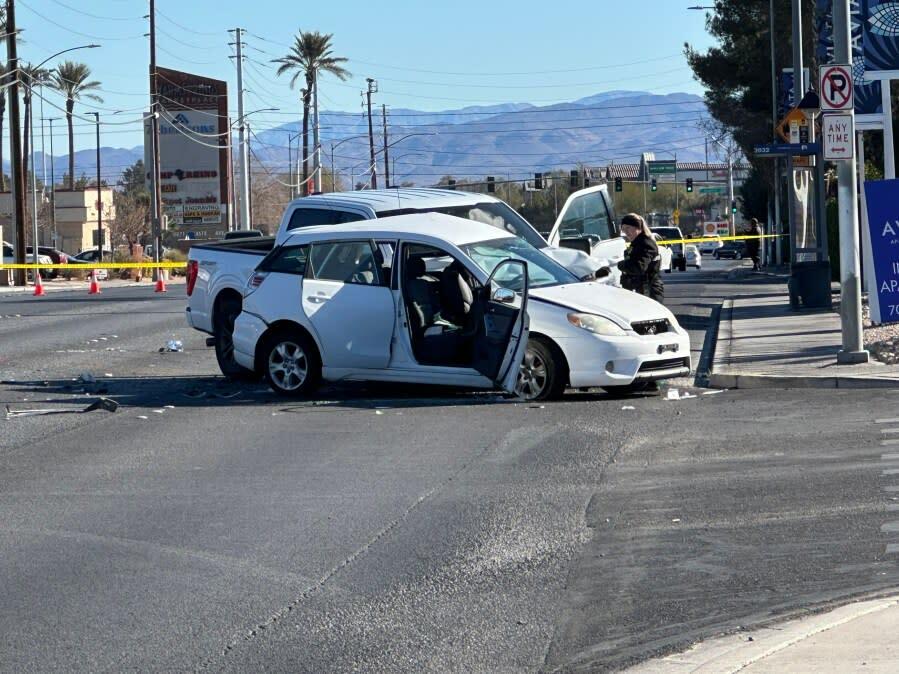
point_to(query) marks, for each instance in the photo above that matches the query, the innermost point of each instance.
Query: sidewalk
(60, 285)
(859, 637)
(763, 343)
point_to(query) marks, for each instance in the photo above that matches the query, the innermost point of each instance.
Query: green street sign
(662, 166)
(711, 190)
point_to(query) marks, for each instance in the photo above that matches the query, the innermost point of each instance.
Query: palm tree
(310, 54)
(32, 77)
(71, 80)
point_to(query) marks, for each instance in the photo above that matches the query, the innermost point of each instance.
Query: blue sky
(425, 55)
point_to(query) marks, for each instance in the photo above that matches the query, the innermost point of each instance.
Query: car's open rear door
(502, 332)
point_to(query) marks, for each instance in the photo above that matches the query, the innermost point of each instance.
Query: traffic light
(618, 184)
(586, 180)
(538, 181)
(654, 185)
(733, 206)
(689, 184)
(573, 179)
(450, 184)
(491, 184)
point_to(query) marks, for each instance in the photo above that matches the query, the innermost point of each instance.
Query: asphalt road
(211, 526)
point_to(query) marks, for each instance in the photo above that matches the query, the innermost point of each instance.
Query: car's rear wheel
(223, 331)
(291, 363)
(543, 374)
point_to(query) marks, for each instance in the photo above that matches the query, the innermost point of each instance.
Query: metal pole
(156, 181)
(317, 150)
(676, 195)
(99, 195)
(243, 160)
(868, 272)
(847, 196)
(333, 173)
(290, 163)
(386, 159)
(33, 182)
(43, 154)
(730, 193)
(15, 142)
(371, 137)
(775, 226)
(53, 190)
(889, 148)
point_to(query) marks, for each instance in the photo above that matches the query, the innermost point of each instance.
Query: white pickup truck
(584, 239)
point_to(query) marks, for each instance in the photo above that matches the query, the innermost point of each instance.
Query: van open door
(502, 332)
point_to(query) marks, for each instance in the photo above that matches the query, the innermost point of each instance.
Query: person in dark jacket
(641, 268)
(754, 245)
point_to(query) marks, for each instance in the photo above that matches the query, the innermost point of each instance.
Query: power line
(96, 16)
(69, 29)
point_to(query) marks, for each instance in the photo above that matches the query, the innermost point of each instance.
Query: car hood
(576, 261)
(622, 306)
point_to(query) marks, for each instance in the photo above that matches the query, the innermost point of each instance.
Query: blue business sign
(868, 100)
(882, 197)
(880, 43)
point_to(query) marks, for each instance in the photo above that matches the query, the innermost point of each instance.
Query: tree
(310, 54)
(72, 80)
(134, 179)
(31, 77)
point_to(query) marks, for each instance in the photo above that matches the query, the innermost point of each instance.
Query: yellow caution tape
(669, 242)
(99, 265)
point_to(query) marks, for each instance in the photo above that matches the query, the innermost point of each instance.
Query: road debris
(172, 346)
(628, 407)
(101, 404)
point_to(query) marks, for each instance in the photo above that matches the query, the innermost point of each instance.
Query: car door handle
(317, 299)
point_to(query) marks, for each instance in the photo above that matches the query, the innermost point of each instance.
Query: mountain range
(511, 140)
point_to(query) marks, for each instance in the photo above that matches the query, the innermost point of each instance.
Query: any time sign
(839, 137)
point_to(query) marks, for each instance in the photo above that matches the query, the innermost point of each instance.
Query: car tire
(543, 375)
(738, 256)
(716, 255)
(630, 389)
(291, 363)
(683, 265)
(223, 331)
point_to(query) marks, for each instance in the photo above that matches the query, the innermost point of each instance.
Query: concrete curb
(737, 652)
(722, 376)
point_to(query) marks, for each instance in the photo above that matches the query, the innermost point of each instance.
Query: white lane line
(891, 489)
(891, 471)
(893, 549)
(889, 431)
(892, 507)
(891, 441)
(889, 457)
(890, 527)
(887, 421)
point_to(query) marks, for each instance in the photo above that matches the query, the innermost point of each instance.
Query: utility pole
(15, 141)
(386, 165)
(99, 193)
(156, 178)
(316, 141)
(243, 160)
(775, 228)
(53, 188)
(372, 88)
(847, 197)
(797, 96)
(33, 182)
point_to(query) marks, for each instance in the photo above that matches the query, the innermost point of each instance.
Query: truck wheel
(291, 363)
(542, 375)
(223, 331)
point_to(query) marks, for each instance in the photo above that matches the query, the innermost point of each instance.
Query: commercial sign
(194, 140)
(662, 166)
(838, 136)
(835, 88)
(882, 197)
(880, 41)
(786, 100)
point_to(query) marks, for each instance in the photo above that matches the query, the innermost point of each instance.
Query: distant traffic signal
(450, 184)
(733, 206)
(586, 180)
(538, 181)
(654, 185)
(491, 184)
(689, 184)
(618, 184)
(573, 179)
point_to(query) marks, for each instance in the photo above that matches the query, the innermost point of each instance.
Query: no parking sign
(836, 88)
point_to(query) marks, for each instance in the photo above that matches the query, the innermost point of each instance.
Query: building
(76, 219)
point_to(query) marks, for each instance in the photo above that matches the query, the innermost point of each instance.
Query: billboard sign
(882, 198)
(880, 41)
(194, 154)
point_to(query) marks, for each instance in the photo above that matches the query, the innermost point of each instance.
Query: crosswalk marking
(893, 549)
(891, 471)
(887, 421)
(890, 457)
(890, 527)
(889, 431)
(891, 441)
(891, 489)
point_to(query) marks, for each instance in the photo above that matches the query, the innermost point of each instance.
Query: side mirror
(504, 296)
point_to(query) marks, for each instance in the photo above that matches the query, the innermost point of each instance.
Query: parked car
(733, 250)
(678, 258)
(219, 270)
(665, 255)
(54, 256)
(710, 244)
(93, 255)
(435, 299)
(694, 257)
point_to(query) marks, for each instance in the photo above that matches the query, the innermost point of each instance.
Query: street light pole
(847, 199)
(99, 194)
(33, 182)
(53, 188)
(775, 229)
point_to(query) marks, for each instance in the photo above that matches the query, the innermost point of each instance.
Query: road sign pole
(847, 195)
(889, 149)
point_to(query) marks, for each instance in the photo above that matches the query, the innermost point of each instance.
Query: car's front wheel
(291, 363)
(542, 375)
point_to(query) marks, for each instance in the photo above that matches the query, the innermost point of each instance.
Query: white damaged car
(435, 299)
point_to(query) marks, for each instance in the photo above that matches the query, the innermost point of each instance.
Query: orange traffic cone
(38, 285)
(160, 281)
(95, 287)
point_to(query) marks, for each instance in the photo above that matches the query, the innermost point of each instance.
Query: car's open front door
(502, 332)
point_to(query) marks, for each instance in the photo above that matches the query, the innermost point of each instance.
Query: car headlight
(598, 325)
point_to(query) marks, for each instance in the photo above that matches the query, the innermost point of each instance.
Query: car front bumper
(619, 361)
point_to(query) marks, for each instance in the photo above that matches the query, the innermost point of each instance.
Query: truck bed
(260, 245)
